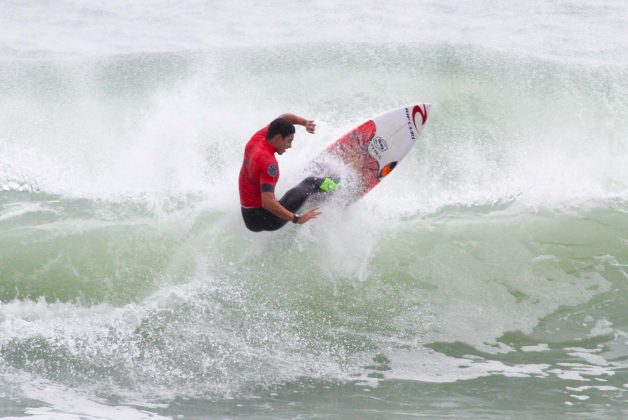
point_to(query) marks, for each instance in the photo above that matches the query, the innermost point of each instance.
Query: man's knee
(312, 184)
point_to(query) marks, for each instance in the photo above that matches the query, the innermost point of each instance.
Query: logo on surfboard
(380, 143)
(422, 111)
(387, 169)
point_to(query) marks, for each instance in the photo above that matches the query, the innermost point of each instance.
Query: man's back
(259, 168)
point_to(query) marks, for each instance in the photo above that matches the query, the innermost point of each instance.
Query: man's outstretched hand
(308, 215)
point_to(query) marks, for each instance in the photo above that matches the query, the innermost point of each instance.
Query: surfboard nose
(427, 110)
(420, 113)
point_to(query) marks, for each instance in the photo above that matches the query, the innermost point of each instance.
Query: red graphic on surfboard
(373, 149)
(351, 149)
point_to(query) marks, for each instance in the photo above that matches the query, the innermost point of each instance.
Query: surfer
(260, 172)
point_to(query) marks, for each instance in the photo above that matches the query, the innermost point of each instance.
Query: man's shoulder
(260, 133)
(266, 156)
(258, 152)
(257, 138)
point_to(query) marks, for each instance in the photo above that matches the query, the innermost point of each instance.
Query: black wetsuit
(259, 219)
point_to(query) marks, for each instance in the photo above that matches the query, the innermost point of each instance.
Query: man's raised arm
(309, 125)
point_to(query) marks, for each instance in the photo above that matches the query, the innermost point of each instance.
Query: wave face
(491, 262)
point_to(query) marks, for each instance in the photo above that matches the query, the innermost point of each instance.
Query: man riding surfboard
(259, 174)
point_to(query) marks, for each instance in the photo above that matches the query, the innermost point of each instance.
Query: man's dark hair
(280, 126)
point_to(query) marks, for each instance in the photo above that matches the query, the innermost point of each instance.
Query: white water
(127, 279)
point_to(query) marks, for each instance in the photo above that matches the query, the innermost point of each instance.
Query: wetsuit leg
(294, 199)
(259, 219)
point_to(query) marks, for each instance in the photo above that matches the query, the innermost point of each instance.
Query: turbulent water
(485, 278)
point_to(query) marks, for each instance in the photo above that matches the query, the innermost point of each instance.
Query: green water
(486, 277)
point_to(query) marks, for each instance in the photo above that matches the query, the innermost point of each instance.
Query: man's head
(280, 135)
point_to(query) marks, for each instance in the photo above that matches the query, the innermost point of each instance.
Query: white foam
(63, 403)
(602, 327)
(426, 365)
(581, 372)
(16, 210)
(588, 356)
(181, 134)
(595, 35)
(587, 387)
(537, 348)
(431, 366)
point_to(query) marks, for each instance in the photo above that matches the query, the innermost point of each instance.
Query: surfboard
(373, 149)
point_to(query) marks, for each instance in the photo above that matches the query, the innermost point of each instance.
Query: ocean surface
(486, 277)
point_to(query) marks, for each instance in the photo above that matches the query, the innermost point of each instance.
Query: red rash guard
(259, 172)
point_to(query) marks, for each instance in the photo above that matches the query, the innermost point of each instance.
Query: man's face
(284, 143)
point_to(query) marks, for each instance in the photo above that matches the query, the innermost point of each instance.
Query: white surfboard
(373, 149)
